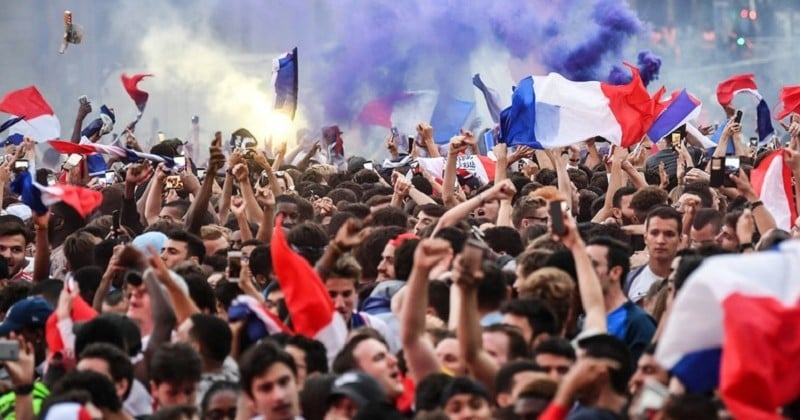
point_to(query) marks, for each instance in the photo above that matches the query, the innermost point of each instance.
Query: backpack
(626, 287)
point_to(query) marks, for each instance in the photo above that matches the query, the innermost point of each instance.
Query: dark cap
(359, 387)
(27, 313)
(461, 385)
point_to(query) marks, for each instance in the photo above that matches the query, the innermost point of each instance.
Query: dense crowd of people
(282, 284)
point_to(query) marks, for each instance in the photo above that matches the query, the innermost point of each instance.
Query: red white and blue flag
(310, 307)
(285, 80)
(131, 86)
(679, 110)
(551, 111)
(733, 325)
(746, 83)
(38, 197)
(38, 120)
(772, 181)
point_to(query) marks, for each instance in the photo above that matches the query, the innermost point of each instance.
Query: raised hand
(216, 158)
(238, 206)
(430, 252)
(350, 235)
(137, 173)
(504, 190)
(241, 172)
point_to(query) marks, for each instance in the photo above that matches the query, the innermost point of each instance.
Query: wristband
(23, 389)
(756, 204)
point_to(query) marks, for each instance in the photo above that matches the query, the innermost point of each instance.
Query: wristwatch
(25, 389)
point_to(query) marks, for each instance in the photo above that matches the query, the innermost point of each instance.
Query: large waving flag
(551, 111)
(38, 197)
(680, 109)
(405, 110)
(39, 122)
(307, 299)
(734, 324)
(127, 155)
(284, 79)
(772, 181)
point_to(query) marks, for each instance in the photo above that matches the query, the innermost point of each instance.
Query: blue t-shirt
(632, 325)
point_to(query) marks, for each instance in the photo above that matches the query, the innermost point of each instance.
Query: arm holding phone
(763, 218)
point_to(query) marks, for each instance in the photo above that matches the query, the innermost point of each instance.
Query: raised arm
(470, 341)
(616, 181)
(242, 174)
(763, 218)
(194, 217)
(418, 350)
(267, 199)
(84, 109)
(41, 261)
(153, 205)
(183, 305)
(458, 144)
(588, 284)
(129, 214)
(425, 132)
(500, 191)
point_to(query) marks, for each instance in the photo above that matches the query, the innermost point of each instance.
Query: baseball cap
(31, 312)
(359, 387)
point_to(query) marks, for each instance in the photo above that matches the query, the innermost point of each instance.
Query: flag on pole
(772, 181)
(732, 324)
(131, 85)
(38, 120)
(285, 80)
(307, 299)
(551, 111)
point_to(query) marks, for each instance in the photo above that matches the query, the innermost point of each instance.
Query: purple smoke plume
(649, 65)
(355, 51)
(585, 61)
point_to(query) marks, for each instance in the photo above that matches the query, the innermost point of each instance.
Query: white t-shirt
(641, 284)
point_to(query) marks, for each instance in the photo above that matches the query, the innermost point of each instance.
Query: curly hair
(551, 285)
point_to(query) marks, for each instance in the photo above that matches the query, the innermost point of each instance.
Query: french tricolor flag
(285, 80)
(310, 307)
(38, 120)
(772, 182)
(680, 109)
(131, 86)
(745, 83)
(38, 197)
(405, 110)
(551, 111)
(734, 325)
(258, 321)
